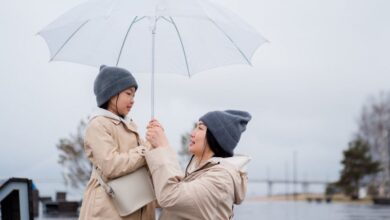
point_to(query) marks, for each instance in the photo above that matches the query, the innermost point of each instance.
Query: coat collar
(127, 121)
(235, 166)
(238, 161)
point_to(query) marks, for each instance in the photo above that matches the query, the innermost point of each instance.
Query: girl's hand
(154, 123)
(155, 134)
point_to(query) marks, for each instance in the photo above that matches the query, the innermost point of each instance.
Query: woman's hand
(155, 134)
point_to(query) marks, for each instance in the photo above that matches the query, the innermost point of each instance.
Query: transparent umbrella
(152, 36)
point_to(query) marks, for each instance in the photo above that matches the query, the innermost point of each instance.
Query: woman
(112, 143)
(213, 181)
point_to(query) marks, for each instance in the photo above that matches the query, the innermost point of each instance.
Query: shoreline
(310, 198)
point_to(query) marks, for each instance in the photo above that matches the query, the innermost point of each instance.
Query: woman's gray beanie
(226, 126)
(110, 82)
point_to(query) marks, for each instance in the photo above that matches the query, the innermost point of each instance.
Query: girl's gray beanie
(110, 82)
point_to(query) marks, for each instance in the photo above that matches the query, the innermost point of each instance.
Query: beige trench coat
(111, 144)
(208, 192)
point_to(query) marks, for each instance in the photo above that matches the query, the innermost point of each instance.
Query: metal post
(287, 179)
(153, 64)
(269, 182)
(295, 174)
(269, 188)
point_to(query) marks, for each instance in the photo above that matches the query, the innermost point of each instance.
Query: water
(288, 210)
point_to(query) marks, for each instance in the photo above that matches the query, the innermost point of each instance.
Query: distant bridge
(304, 183)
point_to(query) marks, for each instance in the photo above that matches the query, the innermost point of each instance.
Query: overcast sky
(305, 90)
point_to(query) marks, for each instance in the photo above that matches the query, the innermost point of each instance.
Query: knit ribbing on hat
(226, 126)
(110, 82)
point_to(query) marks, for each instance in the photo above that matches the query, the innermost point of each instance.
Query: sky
(305, 90)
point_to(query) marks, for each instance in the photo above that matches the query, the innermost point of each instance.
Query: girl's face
(198, 139)
(123, 102)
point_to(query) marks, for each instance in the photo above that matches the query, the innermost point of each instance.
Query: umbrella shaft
(153, 72)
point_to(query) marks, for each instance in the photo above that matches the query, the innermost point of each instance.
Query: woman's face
(198, 139)
(123, 102)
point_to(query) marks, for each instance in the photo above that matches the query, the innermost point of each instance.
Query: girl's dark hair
(215, 146)
(105, 105)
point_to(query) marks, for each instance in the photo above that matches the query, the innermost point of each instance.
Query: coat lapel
(129, 124)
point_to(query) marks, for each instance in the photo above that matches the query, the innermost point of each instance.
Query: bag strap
(103, 184)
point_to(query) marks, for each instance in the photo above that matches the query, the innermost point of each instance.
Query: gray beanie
(110, 82)
(226, 127)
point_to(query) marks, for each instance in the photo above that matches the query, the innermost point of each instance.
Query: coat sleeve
(175, 194)
(146, 144)
(103, 152)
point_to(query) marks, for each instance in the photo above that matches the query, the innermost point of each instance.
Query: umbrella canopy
(152, 36)
(190, 35)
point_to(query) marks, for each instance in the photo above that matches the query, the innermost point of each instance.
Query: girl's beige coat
(111, 145)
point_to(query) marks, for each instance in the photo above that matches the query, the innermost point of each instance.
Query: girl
(112, 143)
(214, 179)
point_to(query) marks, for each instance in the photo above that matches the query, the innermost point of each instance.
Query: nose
(192, 134)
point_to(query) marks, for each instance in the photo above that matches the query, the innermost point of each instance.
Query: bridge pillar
(269, 188)
(305, 187)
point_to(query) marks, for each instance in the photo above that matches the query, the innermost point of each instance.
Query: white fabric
(239, 161)
(191, 35)
(106, 113)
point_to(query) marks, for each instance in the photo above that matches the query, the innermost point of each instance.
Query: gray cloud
(305, 90)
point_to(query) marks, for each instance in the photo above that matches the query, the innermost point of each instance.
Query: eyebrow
(201, 123)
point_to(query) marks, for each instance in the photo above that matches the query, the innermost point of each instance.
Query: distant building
(60, 207)
(19, 199)
(16, 199)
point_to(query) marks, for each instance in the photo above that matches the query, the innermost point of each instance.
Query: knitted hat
(226, 126)
(110, 82)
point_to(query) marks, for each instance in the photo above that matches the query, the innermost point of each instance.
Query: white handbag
(130, 192)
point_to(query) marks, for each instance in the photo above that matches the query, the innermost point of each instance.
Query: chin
(123, 114)
(190, 151)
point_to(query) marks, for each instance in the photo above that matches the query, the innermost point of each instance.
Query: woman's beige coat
(111, 145)
(207, 192)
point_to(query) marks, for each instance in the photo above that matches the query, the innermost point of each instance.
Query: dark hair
(105, 105)
(215, 146)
